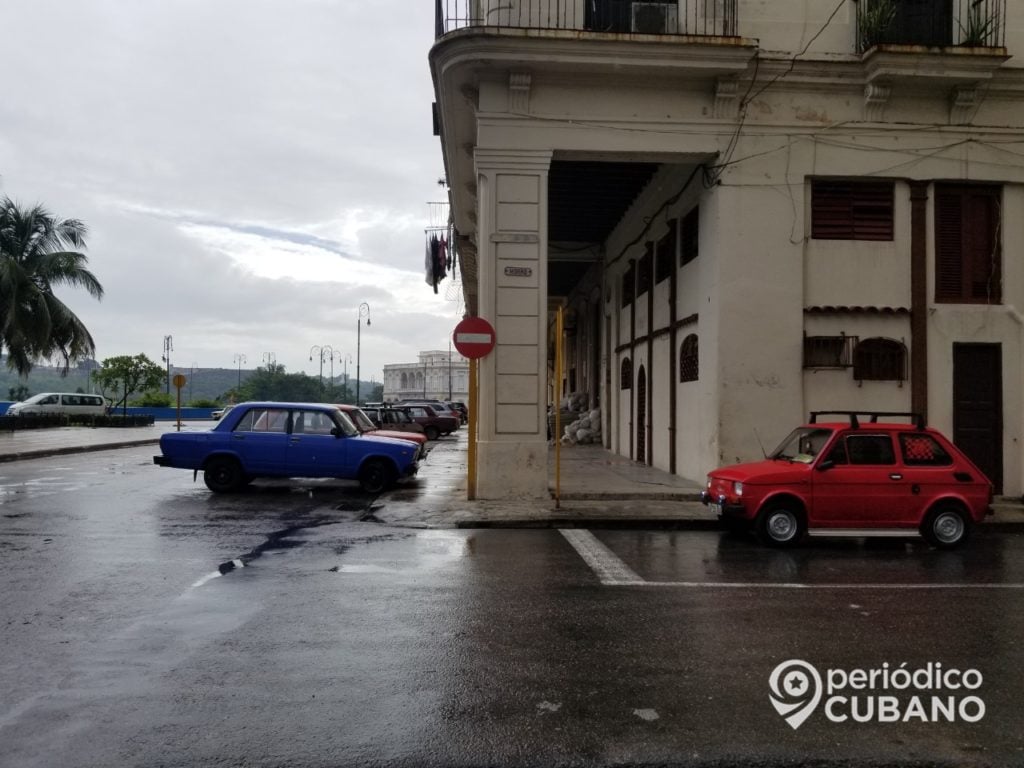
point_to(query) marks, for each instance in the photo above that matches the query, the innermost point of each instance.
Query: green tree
(128, 375)
(272, 383)
(19, 393)
(35, 258)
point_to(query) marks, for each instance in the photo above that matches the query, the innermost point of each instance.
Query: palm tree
(36, 256)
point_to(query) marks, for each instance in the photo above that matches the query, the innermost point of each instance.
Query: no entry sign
(473, 337)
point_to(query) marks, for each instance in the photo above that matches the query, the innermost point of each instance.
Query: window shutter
(948, 245)
(851, 210)
(967, 244)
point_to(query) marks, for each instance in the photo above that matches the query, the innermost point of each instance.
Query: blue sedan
(272, 439)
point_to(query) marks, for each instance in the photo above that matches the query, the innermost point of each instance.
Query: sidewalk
(597, 487)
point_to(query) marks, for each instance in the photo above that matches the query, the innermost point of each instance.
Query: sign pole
(471, 464)
(556, 390)
(179, 382)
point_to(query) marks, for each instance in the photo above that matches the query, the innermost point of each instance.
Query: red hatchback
(855, 479)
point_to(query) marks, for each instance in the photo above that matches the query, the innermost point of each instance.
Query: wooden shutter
(851, 210)
(968, 260)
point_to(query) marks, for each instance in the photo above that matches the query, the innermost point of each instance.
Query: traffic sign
(473, 337)
(179, 380)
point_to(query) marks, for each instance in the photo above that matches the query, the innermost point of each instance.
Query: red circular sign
(473, 337)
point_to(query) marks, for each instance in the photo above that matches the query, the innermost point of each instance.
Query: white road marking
(606, 564)
(646, 714)
(613, 572)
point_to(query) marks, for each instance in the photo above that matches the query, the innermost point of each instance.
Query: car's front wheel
(375, 476)
(781, 525)
(432, 433)
(223, 474)
(946, 527)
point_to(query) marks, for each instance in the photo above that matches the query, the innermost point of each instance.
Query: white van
(65, 404)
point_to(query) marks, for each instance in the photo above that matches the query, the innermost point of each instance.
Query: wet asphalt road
(343, 642)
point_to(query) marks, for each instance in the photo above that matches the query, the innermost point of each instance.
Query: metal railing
(706, 18)
(967, 23)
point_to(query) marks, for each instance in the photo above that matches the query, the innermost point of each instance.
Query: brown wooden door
(978, 407)
(641, 416)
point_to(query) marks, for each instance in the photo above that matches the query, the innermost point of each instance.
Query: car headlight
(709, 481)
(737, 488)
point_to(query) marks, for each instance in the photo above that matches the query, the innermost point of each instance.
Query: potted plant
(873, 22)
(976, 28)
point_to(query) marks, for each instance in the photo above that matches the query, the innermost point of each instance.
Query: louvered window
(880, 360)
(829, 351)
(851, 210)
(968, 256)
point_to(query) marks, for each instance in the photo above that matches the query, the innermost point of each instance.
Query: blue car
(271, 439)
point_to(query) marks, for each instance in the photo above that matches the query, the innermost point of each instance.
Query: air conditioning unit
(655, 18)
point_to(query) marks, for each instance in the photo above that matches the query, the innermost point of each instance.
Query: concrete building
(439, 375)
(749, 209)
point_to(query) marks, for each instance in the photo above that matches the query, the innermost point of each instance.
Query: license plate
(716, 508)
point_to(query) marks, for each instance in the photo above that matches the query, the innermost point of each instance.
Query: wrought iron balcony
(703, 18)
(965, 23)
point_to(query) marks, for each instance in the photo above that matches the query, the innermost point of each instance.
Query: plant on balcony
(873, 22)
(976, 27)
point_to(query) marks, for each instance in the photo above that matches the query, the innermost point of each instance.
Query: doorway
(978, 407)
(641, 416)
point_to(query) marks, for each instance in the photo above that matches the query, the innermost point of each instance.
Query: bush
(155, 400)
(203, 403)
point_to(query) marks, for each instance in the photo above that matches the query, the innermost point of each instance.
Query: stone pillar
(512, 277)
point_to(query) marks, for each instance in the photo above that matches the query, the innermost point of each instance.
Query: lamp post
(322, 350)
(364, 311)
(346, 359)
(269, 360)
(191, 375)
(239, 358)
(168, 348)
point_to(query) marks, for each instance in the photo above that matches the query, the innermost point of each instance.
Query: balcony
(931, 23)
(690, 18)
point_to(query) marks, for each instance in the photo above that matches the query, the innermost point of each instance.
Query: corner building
(748, 210)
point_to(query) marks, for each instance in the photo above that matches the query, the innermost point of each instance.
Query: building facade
(748, 210)
(438, 375)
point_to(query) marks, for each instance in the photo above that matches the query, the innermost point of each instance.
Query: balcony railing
(967, 23)
(707, 18)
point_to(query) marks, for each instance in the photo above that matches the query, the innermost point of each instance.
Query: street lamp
(364, 311)
(239, 358)
(269, 360)
(346, 359)
(328, 350)
(191, 375)
(168, 348)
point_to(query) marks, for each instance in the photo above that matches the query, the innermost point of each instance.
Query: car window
(264, 420)
(803, 444)
(346, 425)
(415, 412)
(50, 400)
(312, 423)
(361, 420)
(923, 451)
(870, 449)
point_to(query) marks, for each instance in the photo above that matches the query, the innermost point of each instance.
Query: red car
(365, 426)
(855, 479)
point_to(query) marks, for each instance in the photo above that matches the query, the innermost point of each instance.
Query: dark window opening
(628, 284)
(626, 374)
(689, 237)
(665, 253)
(880, 360)
(851, 210)
(643, 277)
(688, 359)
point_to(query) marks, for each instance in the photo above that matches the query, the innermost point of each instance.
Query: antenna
(760, 444)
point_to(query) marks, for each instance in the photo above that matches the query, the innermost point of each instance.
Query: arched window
(688, 368)
(626, 374)
(880, 360)
(405, 380)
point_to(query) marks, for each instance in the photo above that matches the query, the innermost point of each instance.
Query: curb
(46, 452)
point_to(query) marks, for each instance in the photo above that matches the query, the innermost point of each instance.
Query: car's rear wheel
(376, 476)
(223, 474)
(432, 433)
(781, 524)
(946, 527)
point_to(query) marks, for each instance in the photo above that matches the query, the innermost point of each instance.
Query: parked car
(366, 426)
(273, 439)
(392, 418)
(219, 412)
(434, 424)
(461, 409)
(855, 478)
(60, 404)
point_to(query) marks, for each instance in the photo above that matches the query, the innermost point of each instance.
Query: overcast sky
(250, 171)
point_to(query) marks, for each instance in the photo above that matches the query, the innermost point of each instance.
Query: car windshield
(347, 427)
(802, 445)
(360, 419)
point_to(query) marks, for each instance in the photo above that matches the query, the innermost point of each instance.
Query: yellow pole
(471, 463)
(558, 411)
(179, 409)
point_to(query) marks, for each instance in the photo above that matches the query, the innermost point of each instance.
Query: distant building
(439, 375)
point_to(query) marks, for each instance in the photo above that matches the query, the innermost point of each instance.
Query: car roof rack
(917, 418)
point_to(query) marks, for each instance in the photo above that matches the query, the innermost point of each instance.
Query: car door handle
(294, 440)
(238, 437)
(895, 476)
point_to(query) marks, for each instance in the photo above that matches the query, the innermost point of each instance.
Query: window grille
(688, 359)
(880, 360)
(829, 351)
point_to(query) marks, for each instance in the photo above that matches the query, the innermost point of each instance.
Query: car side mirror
(826, 464)
(336, 431)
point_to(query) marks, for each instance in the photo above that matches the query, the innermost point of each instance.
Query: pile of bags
(585, 430)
